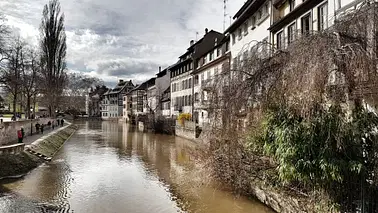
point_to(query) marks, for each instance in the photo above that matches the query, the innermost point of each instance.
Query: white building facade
(250, 28)
(182, 89)
(112, 104)
(213, 63)
(293, 18)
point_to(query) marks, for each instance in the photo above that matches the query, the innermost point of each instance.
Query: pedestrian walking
(62, 122)
(53, 124)
(42, 126)
(37, 126)
(20, 135)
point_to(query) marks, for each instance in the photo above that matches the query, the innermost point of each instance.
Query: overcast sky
(123, 39)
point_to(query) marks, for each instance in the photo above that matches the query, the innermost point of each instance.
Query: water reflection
(111, 167)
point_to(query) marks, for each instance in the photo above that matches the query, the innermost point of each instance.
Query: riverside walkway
(31, 138)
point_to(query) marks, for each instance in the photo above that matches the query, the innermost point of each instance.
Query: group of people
(16, 117)
(39, 128)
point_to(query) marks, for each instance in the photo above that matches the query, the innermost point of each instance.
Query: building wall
(256, 32)
(162, 83)
(152, 99)
(335, 8)
(125, 115)
(176, 82)
(105, 108)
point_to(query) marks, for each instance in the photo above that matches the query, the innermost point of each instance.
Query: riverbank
(17, 165)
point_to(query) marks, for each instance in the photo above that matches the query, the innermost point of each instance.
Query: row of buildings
(182, 87)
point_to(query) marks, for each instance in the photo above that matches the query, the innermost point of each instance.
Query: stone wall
(187, 130)
(8, 130)
(49, 144)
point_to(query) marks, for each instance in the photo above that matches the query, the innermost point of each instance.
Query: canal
(111, 167)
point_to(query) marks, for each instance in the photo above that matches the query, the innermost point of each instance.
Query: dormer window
(292, 5)
(245, 26)
(253, 22)
(240, 33)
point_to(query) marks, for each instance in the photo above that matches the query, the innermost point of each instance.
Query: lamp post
(31, 121)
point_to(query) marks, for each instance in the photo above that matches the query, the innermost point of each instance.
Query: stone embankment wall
(48, 145)
(8, 130)
(186, 130)
(17, 165)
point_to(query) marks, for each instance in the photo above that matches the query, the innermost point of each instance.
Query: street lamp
(31, 121)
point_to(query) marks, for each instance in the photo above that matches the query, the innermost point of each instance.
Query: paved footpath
(31, 138)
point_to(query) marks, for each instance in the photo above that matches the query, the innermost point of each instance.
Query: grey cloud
(127, 68)
(125, 38)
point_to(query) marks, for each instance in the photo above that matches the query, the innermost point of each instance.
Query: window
(207, 75)
(216, 71)
(245, 26)
(227, 46)
(280, 40)
(306, 24)
(240, 33)
(259, 14)
(253, 22)
(196, 80)
(218, 52)
(211, 56)
(266, 9)
(233, 38)
(338, 6)
(291, 32)
(292, 5)
(190, 100)
(202, 76)
(204, 60)
(322, 17)
(190, 83)
(196, 97)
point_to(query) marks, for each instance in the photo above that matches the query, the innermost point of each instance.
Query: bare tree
(29, 79)
(78, 86)
(4, 32)
(333, 67)
(53, 56)
(11, 75)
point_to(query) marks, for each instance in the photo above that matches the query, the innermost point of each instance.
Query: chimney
(120, 81)
(159, 69)
(191, 42)
(206, 31)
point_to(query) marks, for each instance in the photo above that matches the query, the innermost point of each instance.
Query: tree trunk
(15, 102)
(28, 106)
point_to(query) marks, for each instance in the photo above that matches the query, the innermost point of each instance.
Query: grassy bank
(17, 165)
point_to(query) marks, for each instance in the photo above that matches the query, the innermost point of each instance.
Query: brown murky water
(110, 167)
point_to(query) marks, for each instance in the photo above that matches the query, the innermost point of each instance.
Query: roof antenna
(224, 14)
